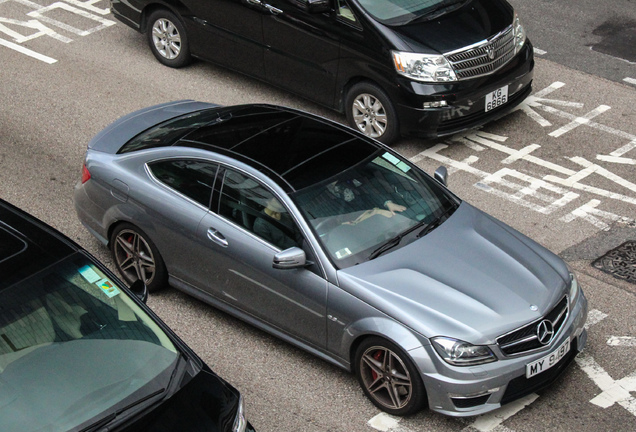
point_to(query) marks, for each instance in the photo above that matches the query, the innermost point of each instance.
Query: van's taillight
(86, 175)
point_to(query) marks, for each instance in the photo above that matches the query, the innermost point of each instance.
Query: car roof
(299, 148)
(27, 245)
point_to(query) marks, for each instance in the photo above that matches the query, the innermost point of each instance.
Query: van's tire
(168, 39)
(389, 378)
(370, 111)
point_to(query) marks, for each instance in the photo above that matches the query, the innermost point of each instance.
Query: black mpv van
(424, 68)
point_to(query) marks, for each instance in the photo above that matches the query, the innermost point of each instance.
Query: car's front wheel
(370, 111)
(168, 39)
(136, 257)
(389, 378)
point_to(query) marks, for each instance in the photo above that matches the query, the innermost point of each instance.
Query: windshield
(72, 346)
(397, 12)
(361, 208)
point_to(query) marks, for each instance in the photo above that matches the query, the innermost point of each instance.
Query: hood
(472, 278)
(475, 22)
(115, 135)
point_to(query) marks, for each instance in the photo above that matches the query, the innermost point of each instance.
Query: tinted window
(167, 133)
(192, 178)
(402, 11)
(255, 208)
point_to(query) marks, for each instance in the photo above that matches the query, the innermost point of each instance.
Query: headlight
(240, 422)
(574, 288)
(460, 353)
(519, 33)
(423, 67)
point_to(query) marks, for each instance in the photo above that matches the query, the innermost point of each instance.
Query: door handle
(217, 237)
(272, 9)
(255, 2)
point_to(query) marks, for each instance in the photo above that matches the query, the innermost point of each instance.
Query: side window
(344, 11)
(249, 204)
(192, 178)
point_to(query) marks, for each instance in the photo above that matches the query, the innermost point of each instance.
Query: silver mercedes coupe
(337, 244)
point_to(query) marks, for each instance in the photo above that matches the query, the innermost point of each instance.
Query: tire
(168, 39)
(370, 111)
(389, 378)
(136, 257)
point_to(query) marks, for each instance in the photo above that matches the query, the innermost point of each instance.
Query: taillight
(86, 175)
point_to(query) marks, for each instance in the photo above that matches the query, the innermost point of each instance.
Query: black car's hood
(472, 278)
(205, 403)
(474, 22)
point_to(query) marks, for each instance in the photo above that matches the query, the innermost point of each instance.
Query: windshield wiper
(112, 416)
(437, 221)
(437, 10)
(391, 243)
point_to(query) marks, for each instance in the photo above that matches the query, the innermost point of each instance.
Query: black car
(396, 67)
(80, 352)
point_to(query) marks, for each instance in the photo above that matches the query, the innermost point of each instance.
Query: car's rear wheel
(136, 257)
(370, 111)
(388, 377)
(168, 39)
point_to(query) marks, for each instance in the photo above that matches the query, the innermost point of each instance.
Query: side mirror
(140, 289)
(291, 258)
(441, 175)
(315, 6)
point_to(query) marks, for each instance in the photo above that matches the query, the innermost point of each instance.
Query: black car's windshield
(398, 12)
(73, 346)
(358, 210)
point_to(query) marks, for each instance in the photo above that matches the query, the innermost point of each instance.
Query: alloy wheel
(369, 115)
(134, 257)
(166, 38)
(386, 377)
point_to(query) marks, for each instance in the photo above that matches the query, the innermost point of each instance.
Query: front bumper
(466, 99)
(470, 391)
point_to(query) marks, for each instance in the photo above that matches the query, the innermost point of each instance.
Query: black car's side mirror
(441, 175)
(291, 258)
(140, 290)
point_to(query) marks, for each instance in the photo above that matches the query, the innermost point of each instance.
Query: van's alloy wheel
(370, 111)
(388, 377)
(168, 39)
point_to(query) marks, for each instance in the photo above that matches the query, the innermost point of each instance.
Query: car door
(177, 207)
(302, 49)
(242, 238)
(229, 32)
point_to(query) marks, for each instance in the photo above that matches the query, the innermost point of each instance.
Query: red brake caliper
(377, 356)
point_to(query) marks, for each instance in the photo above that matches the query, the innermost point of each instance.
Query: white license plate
(496, 98)
(545, 363)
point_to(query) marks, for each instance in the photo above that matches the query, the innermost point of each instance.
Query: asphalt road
(560, 169)
(595, 37)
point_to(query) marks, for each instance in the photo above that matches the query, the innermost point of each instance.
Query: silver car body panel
(472, 278)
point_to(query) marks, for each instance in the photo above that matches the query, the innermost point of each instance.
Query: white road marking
(630, 80)
(26, 51)
(612, 392)
(384, 422)
(578, 121)
(538, 51)
(67, 7)
(589, 212)
(490, 421)
(594, 316)
(626, 341)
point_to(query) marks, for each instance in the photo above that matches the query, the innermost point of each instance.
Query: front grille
(525, 339)
(484, 59)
